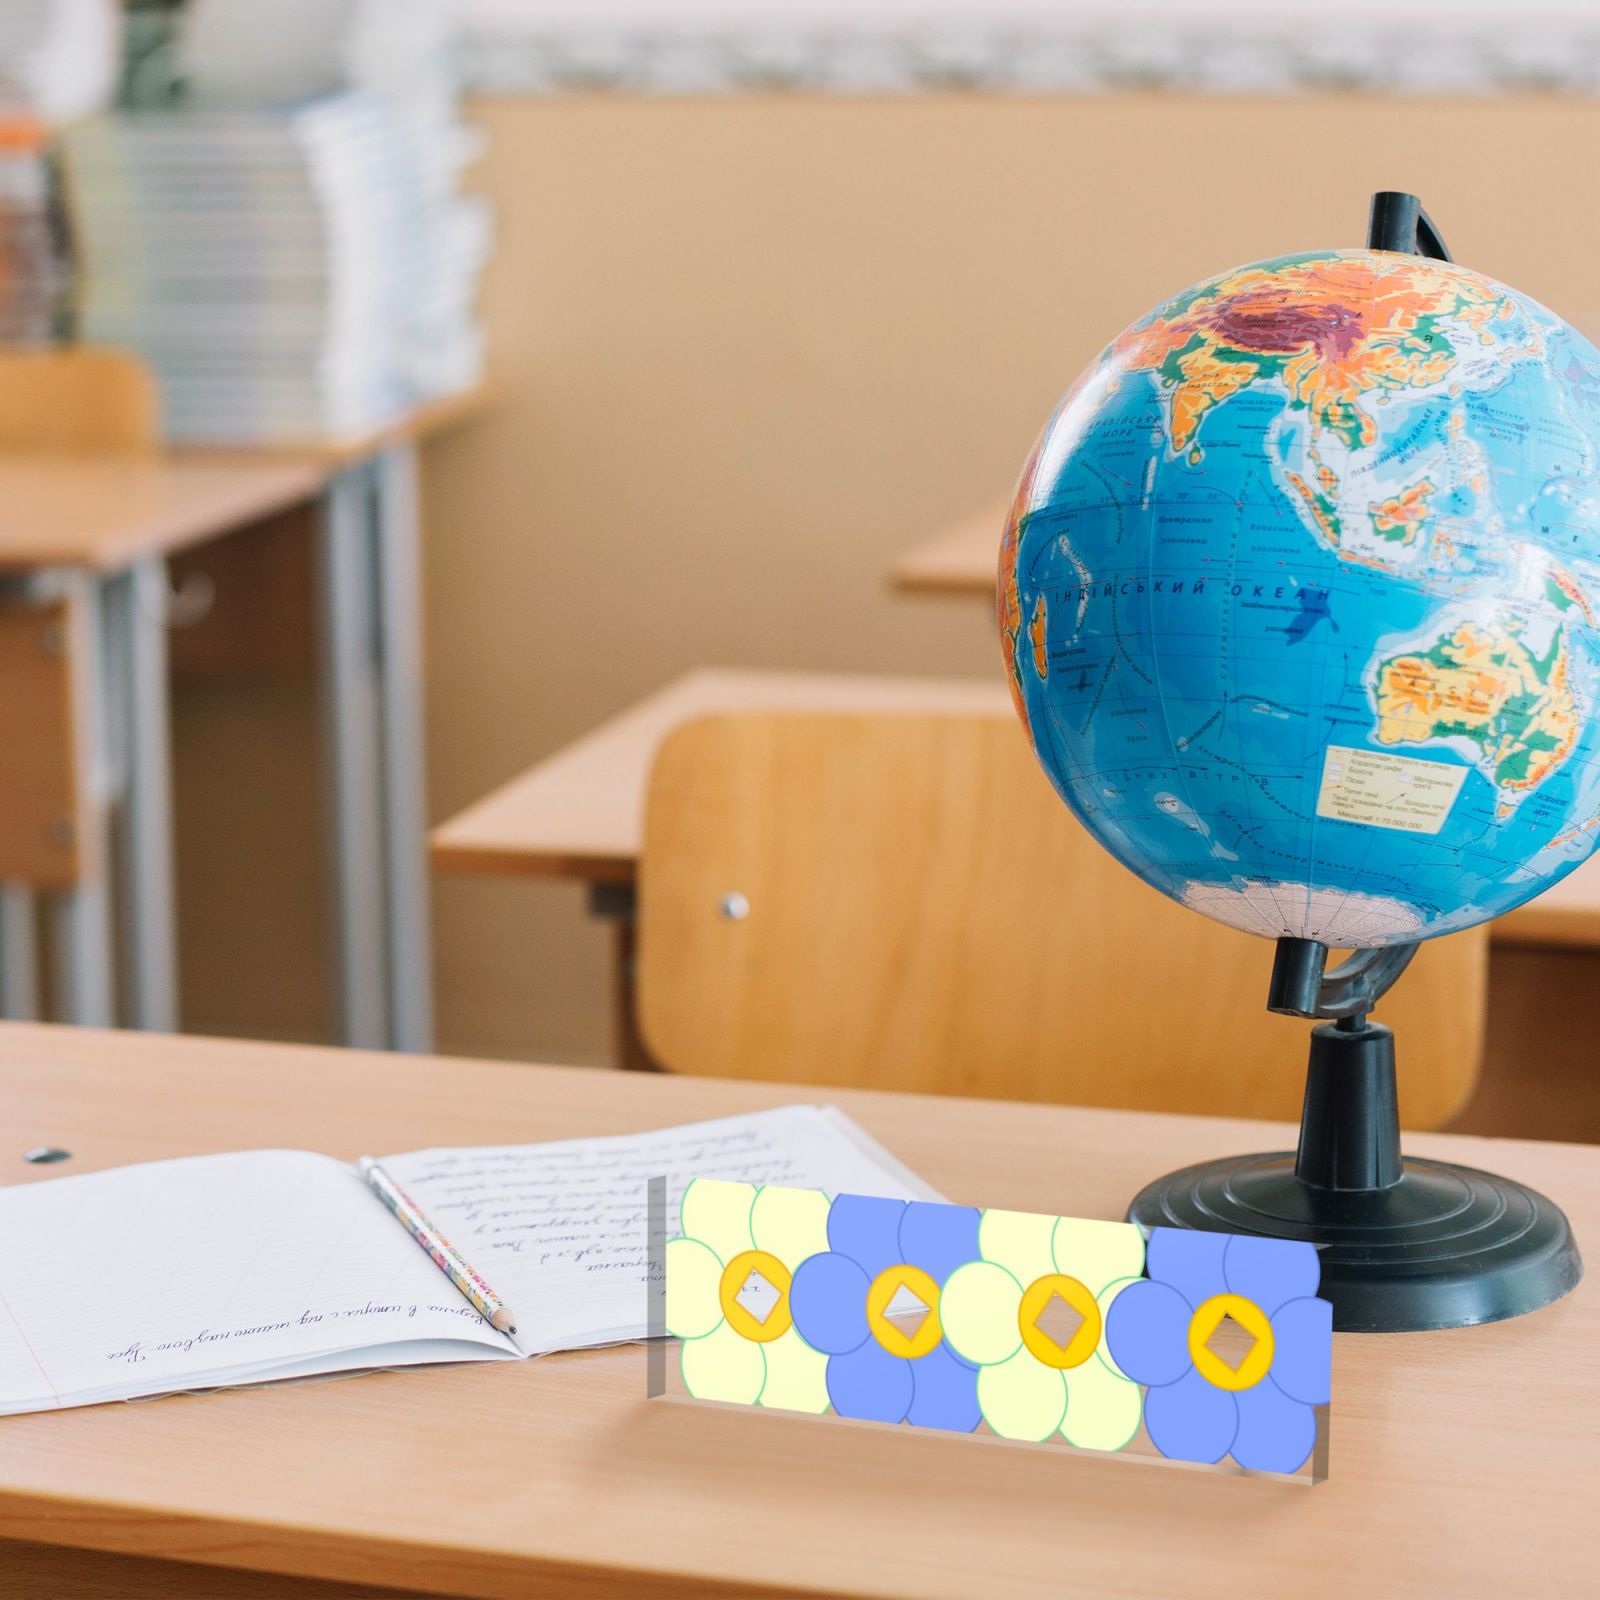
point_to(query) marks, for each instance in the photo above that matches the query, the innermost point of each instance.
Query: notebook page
(180, 1274)
(559, 1230)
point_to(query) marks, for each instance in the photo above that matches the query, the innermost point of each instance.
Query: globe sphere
(1298, 591)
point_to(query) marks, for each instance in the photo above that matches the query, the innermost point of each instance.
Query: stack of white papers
(288, 247)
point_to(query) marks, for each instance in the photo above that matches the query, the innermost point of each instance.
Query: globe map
(1297, 597)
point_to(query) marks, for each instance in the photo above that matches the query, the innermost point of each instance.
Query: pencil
(445, 1256)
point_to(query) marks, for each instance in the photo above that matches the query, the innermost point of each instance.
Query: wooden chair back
(902, 902)
(77, 398)
(47, 833)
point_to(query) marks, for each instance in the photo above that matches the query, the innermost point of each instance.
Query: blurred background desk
(85, 541)
(961, 561)
(83, 602)
(580, 814)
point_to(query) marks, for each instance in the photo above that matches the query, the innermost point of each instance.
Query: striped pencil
(445, 1256)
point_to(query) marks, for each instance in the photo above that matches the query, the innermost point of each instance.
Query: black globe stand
(1405, 1244)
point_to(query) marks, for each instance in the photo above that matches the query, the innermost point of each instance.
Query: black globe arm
(1303, 987)
(1397, 222)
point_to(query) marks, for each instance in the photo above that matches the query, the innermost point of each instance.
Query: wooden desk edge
(911, 579)
(1551, 927)
(452, 856)
(297, 482)
(296, 1551)
(331, 453)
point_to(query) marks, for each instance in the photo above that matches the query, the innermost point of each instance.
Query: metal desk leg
(372, 663)
(19, 957)
(82, 945)
(399, 609)
(80, 928)
(135, 631)
(351, 727)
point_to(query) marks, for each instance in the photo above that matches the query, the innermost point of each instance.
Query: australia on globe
(1297, 597)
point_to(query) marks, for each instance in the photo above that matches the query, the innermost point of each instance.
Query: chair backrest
(77, 398)
(48, 839)
(902, 902)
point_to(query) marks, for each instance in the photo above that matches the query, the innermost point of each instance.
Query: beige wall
(750, 349)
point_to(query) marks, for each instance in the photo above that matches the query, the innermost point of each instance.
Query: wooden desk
(1462, 1463)
(580, 814)
(105, 513)
(960, 561)
(100, 527)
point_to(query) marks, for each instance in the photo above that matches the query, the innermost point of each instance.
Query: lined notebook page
(559, 1230)
(180, 1274)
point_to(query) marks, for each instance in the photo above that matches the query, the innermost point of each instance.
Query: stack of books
(287, 246)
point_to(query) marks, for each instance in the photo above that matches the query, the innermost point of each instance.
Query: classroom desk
(96, 532)
(961, 561)
(1462, 1463)
(103, 527)
(580, 813)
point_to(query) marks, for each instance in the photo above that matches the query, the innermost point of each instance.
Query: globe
(1297, 598)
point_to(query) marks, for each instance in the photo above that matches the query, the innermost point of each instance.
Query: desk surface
(960, 561)
(580, 814)
(1463, 1463)
(338, 450)
(105, 511)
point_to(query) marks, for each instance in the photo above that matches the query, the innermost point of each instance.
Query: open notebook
(232, 1269)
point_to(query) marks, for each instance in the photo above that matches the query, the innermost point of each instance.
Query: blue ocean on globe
(1298, 598)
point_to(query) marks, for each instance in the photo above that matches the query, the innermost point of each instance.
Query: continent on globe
(1481, 683)
(1344, 502)
(1400, 518)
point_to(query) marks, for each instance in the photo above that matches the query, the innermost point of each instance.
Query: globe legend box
(1385, 791)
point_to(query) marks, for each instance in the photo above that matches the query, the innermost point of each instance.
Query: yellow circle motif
(1036, 1298)
(1205, 1322)
(884, 1288)
(743, 1321)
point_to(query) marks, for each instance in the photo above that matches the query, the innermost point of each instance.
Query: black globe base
(1442, 1247)
(1404, 1244)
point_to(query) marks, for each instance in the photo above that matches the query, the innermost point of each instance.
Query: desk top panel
(960, 561)
(580, 814)
(1469, 1455)
(104, 511)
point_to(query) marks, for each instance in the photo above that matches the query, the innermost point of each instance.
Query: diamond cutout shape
(1059, 1322)
(907, 1310)
(1231, 1343)
(758, 1296)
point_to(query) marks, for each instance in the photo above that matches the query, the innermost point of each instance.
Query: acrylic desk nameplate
(1170, 1346)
